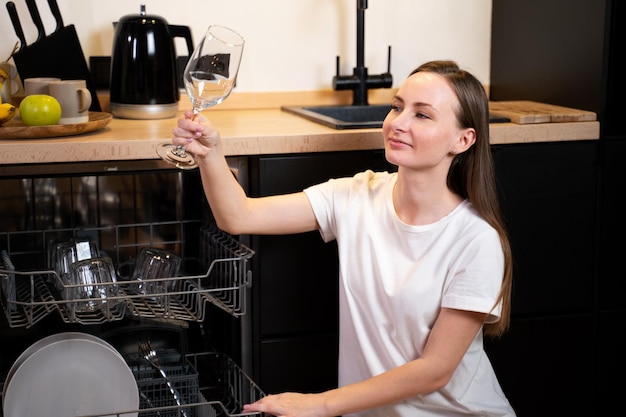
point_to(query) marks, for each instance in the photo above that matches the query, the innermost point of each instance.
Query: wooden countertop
(248, 132)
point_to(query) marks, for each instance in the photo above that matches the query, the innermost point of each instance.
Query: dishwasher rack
(210, 383)
(219, 263)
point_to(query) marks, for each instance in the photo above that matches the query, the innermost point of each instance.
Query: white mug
(74, 98)
(38, 85)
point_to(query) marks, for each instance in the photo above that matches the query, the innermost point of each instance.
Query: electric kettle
(144, 76)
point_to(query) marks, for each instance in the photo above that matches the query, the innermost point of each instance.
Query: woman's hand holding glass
(196, 134)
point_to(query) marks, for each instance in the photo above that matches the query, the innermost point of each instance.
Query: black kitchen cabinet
(294, 301)
(549, 51)
(568, 52)
(548, 193)
(611, 303)
(612, 362)
(545, 366)
(612, 286)
(548, 196)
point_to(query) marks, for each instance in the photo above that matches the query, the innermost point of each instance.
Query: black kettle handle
(178, 31)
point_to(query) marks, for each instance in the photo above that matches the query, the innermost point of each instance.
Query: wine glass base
(176, 155)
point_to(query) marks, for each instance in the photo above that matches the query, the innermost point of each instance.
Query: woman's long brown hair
(472, 173)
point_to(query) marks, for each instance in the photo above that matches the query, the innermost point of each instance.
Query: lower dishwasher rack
(27, 296)
(211, 385)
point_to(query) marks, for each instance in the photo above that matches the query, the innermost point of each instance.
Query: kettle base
(144, 111)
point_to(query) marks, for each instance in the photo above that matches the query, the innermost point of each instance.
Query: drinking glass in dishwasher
(152, 268)
(92, 282)
(66, 253)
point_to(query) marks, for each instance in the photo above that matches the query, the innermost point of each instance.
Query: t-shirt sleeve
(476, 284)
(321, 198)
(330, 199)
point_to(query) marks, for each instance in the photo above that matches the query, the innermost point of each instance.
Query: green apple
(40, 110)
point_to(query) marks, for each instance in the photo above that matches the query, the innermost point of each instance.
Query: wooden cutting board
(15, 129)
(528, 112)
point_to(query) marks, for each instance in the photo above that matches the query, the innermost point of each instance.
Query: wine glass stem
(180, 149)
(196, 112)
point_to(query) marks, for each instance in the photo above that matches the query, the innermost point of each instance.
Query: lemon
(40, 110)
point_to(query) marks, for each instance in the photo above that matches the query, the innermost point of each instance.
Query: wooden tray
(15, 129)
(529, 112)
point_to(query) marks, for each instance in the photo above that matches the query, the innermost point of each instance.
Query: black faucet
(360, 82)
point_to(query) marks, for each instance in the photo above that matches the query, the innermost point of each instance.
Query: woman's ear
(465, 141)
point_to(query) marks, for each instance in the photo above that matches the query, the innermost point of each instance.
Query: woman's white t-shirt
(395, 278)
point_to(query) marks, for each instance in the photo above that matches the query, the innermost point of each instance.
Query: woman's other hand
(289, 405)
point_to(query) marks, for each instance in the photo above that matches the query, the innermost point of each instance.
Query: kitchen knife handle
(17, 26)
(54, 8)
(34, 14)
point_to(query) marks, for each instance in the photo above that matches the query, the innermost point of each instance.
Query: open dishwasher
(123, 211)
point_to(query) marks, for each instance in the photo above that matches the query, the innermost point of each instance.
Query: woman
(425, 263)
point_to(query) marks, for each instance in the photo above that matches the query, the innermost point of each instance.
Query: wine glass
(209, 78)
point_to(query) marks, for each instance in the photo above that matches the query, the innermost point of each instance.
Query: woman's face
(421, 131)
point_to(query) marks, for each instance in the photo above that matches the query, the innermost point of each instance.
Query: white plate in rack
(46, 341)
(70, 375)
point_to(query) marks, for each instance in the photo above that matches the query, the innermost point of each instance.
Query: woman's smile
(394, 142)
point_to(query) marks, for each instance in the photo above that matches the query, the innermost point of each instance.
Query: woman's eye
(422, 116)
(395, 108)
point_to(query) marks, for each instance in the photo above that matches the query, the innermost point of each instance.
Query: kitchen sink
(343, 117)
(353, 117)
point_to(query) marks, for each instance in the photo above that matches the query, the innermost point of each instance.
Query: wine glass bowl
(209, 78)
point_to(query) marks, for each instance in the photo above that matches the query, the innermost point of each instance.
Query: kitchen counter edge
(249, 132)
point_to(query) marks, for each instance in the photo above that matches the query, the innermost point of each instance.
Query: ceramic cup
(74, 98)
(38, 85)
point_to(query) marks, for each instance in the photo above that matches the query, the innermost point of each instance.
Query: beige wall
(292, 44)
